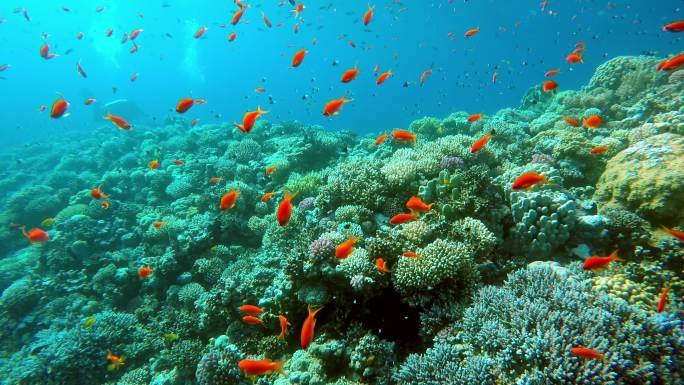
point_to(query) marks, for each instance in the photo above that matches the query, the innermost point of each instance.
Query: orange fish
(598, 150)
(471, 32)
(158, 224)
(89, 101)
(144, 272)
(298, 58)
(194, 122)
(35, 235)
(236, 16)
(117, 121)
(266, 196)
(249, 118)
(108, 32)
(383, 76)
(260, 89)
(231, 36)
(586, 353)
(368, 16)
(527, 180)
(115, 362)
(592, 121)
(424, 75)
(662, 301)
(295, 28)
(376, 69)
(266, 22)
(349, 75)
(97, 193)
(251, 309)
(228, 200)
(474, 117)
(402, 218)
(480, 143)
(574, 58)
(344, 249)
(283, 326)
(153, 165)
(215, 179)
(381, 138)
(307, 334)
(403, 136)
(381, 265)
(185, 104)
(200, 32)
(260, 367)
(551, 73)
(410, 254)
(332, 107)
(177, 162)
(298, 9)
(677, 26)
(596, 262)
(415, 204)
(671, 64)
(284, 209)
(252, 320)
(571, 121)
(135, 33)
(675, 233)
(58, 108)
(549, 85)
(104, 204)
(269, 170)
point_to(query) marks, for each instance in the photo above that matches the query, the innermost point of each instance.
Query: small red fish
(527, 180)
(97, 193)
(158, 224)
(381, 138)
(269, 170)
(298, 57)
(307, 334)
(178, 162)
(295, 28)
(284, 209)
(586, 353)
(283, 326)
(416, 204)
(471, 32)
(672, 63)
(193, 123)
(368, 16)
(117, 121)
(228, 200)
(144, 272)
(344, 249)
(252, 320)
(349, 75)
(381, 265)
(675, 233)
(115, 362)
(551, 73)
(134, 48)
(108, 32)
(494, 78)
(549, 86)
(410, 254)
(58, 108)
(662, 301)
(382, 77)
(474, 117)
(260, 89)
(35, 235)
(135, 33)
(153, 164)
(480, 143)
(677, 26)
(249, 118)
(266, 196)
(402, 218)
(424, 75)
(298, 9)
(104, 204)
(200, 32)
(597, 262)
(574, 58)
(592, 121)
(598, 150)
(89, 101)
(79, 35)
(236, 16)
(231, 36)
(215, 179)
(260, 367)
(266, 22)
(571, 121)
(403, 136)
(333, 106)
(184, 104)
(251, 309)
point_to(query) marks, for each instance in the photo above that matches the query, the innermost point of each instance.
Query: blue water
(517, 40)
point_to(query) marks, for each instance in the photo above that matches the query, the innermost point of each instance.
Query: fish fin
(278, 367)
(239, 127)
(614, 256)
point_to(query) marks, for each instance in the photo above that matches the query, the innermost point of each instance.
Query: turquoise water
(504, 208)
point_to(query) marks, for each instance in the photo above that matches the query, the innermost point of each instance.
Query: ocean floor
(478, 282)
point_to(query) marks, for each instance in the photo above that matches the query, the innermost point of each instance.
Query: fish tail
(239, 127)
(278, 367)
(23, 231)
(614, 256)
(313, 310)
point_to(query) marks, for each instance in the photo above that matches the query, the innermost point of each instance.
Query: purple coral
(306, 203)
(451, 162)
(542, 158)
(321, 248)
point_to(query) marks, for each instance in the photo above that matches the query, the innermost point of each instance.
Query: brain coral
(647, 178)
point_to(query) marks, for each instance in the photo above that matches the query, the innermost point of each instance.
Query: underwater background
(317, 192)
